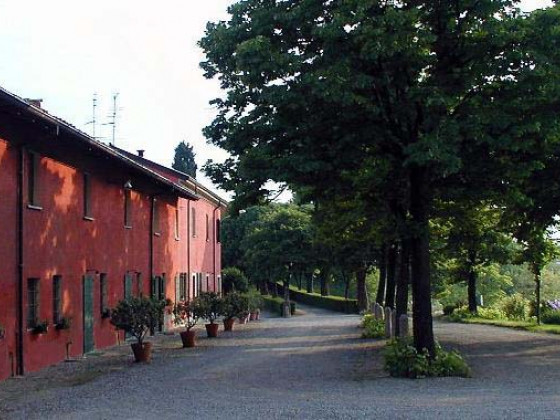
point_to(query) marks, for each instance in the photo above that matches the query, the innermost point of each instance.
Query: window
(181, 290)
(87, 197)
(218, 226)
(103, 302)
(33, 180)
(207, 283)
(207, 228)
(177, 224)
(57, 299)
(193, 222)
(139, 285)
(219, 286)
(157, 224)
(32, 302)
(194, 285)
(127, 209)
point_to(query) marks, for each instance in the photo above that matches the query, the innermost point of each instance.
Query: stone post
(388, 321)
(378, 311)
(403, 326)
(393, 322)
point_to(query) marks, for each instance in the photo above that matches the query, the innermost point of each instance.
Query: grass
(519, 325)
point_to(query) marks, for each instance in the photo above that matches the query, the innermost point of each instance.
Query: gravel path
(312, 366)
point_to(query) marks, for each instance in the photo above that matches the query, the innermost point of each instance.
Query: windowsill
(88, 218)
(157, 234)
(34, 207)
(127, 227)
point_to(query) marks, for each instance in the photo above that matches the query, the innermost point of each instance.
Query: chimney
(34, 102)
(141, 152)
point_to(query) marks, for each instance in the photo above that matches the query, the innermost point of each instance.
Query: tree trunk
(324, 278)
(346, 280)
(391, 274)
(420, 253)
(380, 298)
(537, 273)
(300, 280)
(361, 292)
(264, 288)
(403, 281)
(471, 289)
(310, 283)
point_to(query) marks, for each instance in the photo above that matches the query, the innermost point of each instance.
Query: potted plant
(255, 303)
(63, 323)
(210, 305)
(40, 327)
(232, 306)
(106, 313)
(187, 314)
(243, 314)
(137, 316)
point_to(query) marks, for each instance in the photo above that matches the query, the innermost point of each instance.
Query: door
(89, 344)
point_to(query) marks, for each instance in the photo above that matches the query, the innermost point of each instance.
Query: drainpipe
(189, 248)
(151, 242)
(215, 246)
(20, 211)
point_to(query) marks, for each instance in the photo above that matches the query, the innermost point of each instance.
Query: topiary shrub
(373, 327)
(402, 360)
(233, 279)
(137, 315)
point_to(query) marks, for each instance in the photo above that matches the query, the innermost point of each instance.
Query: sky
(65, 51)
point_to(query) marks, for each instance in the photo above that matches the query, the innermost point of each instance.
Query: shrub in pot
(137, 316)
(211, 307)
(187, 313)
(41, 328)
(232, 306)
(233, 280)
(255, 302)
(243, 315)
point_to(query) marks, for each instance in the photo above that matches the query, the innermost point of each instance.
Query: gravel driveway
(312, 366)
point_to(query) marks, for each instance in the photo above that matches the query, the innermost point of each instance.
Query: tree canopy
(184, 159)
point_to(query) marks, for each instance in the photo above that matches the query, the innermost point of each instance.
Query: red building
(85, 225)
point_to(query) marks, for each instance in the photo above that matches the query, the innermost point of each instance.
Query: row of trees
(390, 115)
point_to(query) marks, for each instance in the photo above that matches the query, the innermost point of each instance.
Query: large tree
(184, 159)
(319, 91)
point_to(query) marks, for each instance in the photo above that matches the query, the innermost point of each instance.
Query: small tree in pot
(243, 315)
(187, 314)
(255, 303)
(232, 306)
(211, 307)
(137, 316)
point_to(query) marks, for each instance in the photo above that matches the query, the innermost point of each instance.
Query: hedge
(274, 304)
(333, 303)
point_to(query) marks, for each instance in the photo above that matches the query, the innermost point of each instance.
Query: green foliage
(551, 317)
(41, 327)
(333, 303)
(210, 306)
(515, 307)
(490, 313)
(373, 328)
(184, 159)
(188, 313)
(137, 315)
(276, 304)
(233, 305)
(233, 279)
(254, 299)
(403, 360)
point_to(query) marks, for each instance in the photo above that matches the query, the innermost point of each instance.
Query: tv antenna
(113, 118)
(93, 118)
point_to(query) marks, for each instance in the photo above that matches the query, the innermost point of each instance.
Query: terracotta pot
(228, 324)
(253, 316)
(212, 330)
(188, 338)
(242, 320)
(142, 352)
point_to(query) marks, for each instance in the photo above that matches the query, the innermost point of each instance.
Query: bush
(460, 313)
(515, 307)
(137, 315)
(233, 305)
(490, 313)
(550, 316)
(275, 305)
(402, 360)
(373, 327)
(233, 279)
(210, 306)
(448, 309)
(333, 303)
